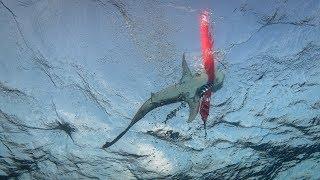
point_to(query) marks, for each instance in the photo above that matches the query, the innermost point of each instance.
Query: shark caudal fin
(108, 144)
(186, 73)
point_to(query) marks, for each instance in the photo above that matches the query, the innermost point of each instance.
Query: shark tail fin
(108, 144)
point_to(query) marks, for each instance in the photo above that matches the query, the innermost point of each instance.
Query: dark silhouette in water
(189, 89)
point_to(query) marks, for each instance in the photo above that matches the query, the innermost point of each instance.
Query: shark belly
(168, 94)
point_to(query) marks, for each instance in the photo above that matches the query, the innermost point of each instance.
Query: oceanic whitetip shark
(189, 89)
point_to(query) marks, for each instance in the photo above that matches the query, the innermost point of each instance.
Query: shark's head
(218, 82)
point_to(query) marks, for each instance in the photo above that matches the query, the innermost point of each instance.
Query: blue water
(74, 73)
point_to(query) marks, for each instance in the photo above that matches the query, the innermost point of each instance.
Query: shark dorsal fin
(186, 73)
(194, 104)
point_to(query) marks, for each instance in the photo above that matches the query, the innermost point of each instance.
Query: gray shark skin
(189, 89)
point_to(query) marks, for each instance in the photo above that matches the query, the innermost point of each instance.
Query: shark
(189, 89)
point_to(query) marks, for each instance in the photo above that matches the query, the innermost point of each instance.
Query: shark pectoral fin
(193, 109)
(186, 73)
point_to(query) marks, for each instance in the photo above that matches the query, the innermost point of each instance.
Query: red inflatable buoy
(207, 60)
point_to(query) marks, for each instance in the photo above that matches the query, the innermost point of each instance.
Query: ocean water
(74, 73)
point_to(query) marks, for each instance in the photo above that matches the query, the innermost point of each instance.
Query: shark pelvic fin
(194, 104)
(186, 73)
